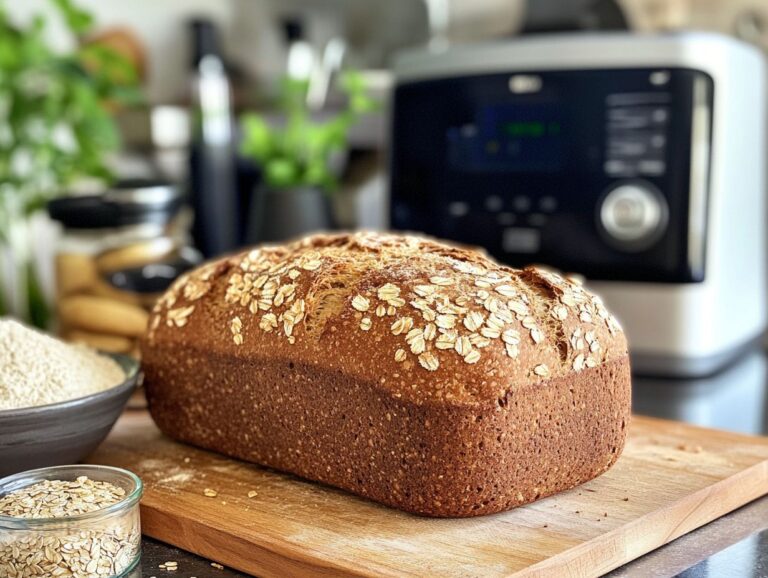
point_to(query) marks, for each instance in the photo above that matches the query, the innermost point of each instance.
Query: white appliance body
(675, 327)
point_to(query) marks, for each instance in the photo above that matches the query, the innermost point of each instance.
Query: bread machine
(634, 160)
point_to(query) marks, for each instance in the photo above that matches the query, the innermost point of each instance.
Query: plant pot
(362, 205)
(281, 214)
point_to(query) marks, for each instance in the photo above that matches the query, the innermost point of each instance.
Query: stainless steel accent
(524, 83)
(536, 53)
(633, 215)
(700, 163)
(325, 72)
(153, 194)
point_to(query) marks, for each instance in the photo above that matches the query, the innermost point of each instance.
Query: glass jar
(104, 543)
(118, 252)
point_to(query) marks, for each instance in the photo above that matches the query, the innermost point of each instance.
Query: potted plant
(55, 130)
(300, 160)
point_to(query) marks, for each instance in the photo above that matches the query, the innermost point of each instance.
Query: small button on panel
(548, 204)
(458, 209)
(521, 204)
(521, 240)
(633, 215)
(494, 203)
(506, 219)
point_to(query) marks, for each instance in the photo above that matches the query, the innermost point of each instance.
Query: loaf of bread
(416, 374)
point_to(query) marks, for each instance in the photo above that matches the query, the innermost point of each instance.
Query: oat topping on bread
(412, 372)
(419, 301)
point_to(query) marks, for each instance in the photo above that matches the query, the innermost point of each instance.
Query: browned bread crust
(420, 375)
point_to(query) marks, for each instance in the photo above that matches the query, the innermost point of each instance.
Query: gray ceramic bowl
(66, 432)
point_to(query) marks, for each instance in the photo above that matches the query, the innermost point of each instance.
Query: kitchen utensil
(671, 479)
(124, 247)
(65, 432)
(325, 73)
(634, 160)
(212, 155)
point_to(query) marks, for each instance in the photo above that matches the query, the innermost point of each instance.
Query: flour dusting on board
(162, 472)
(177, 478)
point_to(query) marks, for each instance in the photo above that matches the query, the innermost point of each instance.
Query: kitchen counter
(736, 545)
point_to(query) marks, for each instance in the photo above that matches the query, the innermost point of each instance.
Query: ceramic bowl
(64, 432)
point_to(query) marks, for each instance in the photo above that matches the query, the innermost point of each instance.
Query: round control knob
(633, 215)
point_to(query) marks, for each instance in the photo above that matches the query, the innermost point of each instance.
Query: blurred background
(622, 141)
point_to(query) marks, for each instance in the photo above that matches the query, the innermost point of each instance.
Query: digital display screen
(508, 137)
(534, 129)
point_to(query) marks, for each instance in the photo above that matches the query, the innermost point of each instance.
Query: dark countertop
(154, 553)
(736, 545)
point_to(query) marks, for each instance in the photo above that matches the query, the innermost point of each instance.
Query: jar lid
(129, 202)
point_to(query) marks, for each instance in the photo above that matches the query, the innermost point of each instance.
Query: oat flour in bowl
(36, 369)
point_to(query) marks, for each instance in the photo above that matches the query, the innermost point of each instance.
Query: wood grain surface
(671, 479)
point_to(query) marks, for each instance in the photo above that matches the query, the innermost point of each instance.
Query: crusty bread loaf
(416, 374)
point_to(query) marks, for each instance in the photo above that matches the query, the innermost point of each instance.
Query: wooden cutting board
(671, 479)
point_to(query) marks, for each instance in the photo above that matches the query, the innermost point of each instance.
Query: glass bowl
(105, 543)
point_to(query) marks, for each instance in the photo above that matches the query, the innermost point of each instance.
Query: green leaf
(293, 96)
(318, 174)
(352, 81)
(362, 103)
(107, 66)
(281, 173)
(3, 307)
(10, 57)
(258, 139)
(78, 20)
(41, 92)
(131, 96)
(39, 312)
(299, 151)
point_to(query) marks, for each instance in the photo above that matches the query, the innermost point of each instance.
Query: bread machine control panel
(587, 170)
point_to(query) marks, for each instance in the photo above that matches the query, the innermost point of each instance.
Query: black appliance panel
(521, 164)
